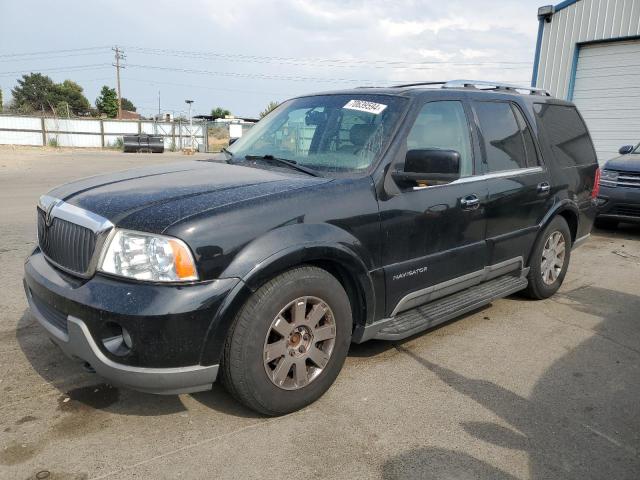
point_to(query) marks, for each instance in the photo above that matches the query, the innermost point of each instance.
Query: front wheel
(549, 259)
(288, 342)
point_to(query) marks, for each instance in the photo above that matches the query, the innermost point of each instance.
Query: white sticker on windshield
(364, 106)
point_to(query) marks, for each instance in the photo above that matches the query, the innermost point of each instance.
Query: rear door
(518, 183)
(433, 236)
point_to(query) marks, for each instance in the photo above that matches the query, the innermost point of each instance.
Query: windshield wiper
(286, 162)
(224, 149)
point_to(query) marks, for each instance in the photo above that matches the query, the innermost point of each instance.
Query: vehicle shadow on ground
(580, 421)
(93, 391)
(629, 231)
(372, 348)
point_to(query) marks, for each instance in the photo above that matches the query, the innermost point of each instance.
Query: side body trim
(580, 241)
(425, 295)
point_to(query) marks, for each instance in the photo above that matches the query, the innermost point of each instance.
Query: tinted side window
(529, 146)
(566, 133)
(443, 125)
(503, 144)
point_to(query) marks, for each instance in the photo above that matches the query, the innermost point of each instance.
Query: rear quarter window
(566, 133)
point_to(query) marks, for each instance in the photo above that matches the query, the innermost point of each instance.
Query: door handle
(470, 202)
(544, 187)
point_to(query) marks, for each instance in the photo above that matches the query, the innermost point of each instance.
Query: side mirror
(430, 165)
(626, 149)
(232, 140)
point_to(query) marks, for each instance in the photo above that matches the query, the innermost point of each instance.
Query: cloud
(329, 43)
(412, 28)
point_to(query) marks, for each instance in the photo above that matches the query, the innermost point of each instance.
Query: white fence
(40, 131)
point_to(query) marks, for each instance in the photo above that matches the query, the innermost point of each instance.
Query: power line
(74, 68)
(205, 87)
(7, 55)
(47, 57)
(322, 62)
(261, 76)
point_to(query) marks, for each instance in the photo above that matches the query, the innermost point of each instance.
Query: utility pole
(159, 114)
(119, 56)
(190, 102)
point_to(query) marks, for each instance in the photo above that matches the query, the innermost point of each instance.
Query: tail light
(596, 185)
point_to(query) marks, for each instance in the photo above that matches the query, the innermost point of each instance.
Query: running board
(439, 311)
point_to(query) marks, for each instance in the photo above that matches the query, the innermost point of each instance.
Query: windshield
(328, 133)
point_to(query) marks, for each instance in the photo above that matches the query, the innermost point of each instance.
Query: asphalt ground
(520, 389)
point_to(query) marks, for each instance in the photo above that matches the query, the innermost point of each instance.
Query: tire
(543, 286)
(606, 223)
(276, 307)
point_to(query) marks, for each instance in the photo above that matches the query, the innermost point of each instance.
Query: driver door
(434, 236)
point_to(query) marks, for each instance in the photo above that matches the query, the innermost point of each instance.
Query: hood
(152, 198)
(625, 163)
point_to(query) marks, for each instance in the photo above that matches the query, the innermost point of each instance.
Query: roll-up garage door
(607, 93)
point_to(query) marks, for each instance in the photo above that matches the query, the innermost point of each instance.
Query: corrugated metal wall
(584, 21)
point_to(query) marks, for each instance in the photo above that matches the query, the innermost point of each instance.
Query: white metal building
(588, 51)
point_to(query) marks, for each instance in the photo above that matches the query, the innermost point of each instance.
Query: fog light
(126, 338)
(116, 339)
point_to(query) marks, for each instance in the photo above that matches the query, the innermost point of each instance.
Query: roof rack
(418, 84)
(480, 85)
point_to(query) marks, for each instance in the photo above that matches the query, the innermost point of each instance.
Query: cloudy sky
(240, 54)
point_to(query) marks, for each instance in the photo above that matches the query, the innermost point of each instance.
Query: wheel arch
(568, 210)
(257, 264)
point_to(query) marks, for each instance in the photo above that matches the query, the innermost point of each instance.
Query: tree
(38, 93)
(219, 112)
(270, 107)
(128, 105)
(1, 100)
(72, 94)
(34, 92)
(63, 109)
(107, 102)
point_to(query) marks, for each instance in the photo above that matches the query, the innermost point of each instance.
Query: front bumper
(168, 325)
(619, 203)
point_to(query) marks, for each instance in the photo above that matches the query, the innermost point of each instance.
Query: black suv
(338, 218)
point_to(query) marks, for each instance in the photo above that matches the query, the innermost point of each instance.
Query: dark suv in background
(339, 217)
(619, 198)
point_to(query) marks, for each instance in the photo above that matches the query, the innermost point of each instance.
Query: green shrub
(117, 144)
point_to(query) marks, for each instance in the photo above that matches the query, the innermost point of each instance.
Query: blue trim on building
(536, 57)
(574, 68)
(565, 4)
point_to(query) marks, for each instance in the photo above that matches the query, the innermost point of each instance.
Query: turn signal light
(185, 269)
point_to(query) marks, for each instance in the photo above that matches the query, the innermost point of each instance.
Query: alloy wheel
(553, 255)
(299, 343)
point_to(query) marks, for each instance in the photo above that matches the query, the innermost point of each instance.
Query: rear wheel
(289, 342)
(549, 260)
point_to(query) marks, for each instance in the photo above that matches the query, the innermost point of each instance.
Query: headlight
(150, 257)
(609, 178)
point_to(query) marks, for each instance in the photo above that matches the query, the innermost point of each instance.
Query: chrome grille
(629, 179)
(627, 210)
(67, 244)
